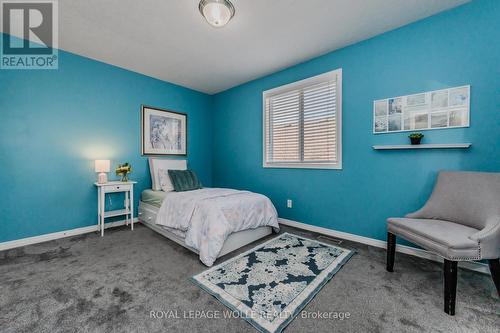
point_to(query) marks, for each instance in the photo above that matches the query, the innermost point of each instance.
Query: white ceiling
(170, 40)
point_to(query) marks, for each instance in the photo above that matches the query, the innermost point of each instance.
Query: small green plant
(415, 138)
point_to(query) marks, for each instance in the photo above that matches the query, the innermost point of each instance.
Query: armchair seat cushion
(450, 240)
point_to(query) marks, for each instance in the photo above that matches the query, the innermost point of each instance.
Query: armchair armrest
(421, 213)
(414, 215)
(489, 239)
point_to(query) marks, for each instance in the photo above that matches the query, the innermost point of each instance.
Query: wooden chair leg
(495, 273)
(450, 286)
(391, 251)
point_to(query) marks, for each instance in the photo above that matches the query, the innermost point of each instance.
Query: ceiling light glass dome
(216, 12)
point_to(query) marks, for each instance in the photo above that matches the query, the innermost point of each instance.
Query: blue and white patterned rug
(271, 283)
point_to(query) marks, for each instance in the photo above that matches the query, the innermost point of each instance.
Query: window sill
(336, 166)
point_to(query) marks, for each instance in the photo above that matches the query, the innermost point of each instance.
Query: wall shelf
(424, 146)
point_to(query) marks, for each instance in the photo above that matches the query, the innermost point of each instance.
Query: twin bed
(210, 221)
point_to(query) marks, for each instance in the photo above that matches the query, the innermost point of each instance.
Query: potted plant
(415, 138)
(123, 170)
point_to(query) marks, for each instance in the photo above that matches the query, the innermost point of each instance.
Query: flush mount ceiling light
(216, 12)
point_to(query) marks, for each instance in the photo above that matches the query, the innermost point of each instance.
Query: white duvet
(208, 216)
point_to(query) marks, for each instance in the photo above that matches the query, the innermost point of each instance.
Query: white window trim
(297, 85)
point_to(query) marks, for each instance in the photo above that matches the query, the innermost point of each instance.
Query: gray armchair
(459, 222)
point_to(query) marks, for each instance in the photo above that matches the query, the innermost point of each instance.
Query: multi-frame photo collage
(437, 109)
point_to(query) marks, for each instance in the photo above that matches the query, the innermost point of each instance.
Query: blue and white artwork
(164, 132)
(459, 96)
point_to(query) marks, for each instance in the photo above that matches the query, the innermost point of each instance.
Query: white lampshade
(217, 12)
(102, 165)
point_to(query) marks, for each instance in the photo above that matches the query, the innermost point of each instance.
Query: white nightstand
(115, 187)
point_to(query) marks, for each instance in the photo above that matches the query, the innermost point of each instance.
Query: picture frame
(430, 110)
(163, 132)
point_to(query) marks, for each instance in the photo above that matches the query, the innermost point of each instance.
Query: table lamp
(102, 166)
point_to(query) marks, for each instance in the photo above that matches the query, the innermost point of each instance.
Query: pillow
(164, 181)
(155, 164)
(184, 180)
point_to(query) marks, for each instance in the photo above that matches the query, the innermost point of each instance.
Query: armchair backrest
(468, 198)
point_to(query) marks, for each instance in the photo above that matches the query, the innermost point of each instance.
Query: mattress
(153, 198)
(147, 214)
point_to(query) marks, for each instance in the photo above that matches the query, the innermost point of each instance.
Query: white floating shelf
(425, 146)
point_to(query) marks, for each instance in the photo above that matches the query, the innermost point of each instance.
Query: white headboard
(166, 164)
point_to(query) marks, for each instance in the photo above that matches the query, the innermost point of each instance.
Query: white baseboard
(56, 235)
(471, 265)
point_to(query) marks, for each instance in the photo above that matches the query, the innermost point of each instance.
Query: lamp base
(102, 178)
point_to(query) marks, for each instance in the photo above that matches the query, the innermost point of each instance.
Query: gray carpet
(111, 284)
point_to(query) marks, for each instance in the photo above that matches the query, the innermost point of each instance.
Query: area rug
(271, 283)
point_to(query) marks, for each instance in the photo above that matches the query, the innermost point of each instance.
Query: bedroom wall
(457, 47)
(55, 123)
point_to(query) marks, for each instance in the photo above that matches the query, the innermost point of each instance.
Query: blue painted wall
(457, 47)
(55, 123)
(52, 130)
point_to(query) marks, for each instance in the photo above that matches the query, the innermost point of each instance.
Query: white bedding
(208, 216)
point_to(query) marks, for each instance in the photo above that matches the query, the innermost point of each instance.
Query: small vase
(124, 177)
(415, 141)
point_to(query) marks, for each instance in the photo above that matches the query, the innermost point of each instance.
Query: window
(302, 123)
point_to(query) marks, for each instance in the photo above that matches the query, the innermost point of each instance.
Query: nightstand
(115, 187)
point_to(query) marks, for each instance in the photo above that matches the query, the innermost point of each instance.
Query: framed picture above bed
(163, 132)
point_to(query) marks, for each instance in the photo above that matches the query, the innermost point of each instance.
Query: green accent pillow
(184, 180)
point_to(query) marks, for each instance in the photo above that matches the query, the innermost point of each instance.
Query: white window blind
(302, 123)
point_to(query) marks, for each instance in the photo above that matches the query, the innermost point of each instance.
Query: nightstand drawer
(116, 188)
